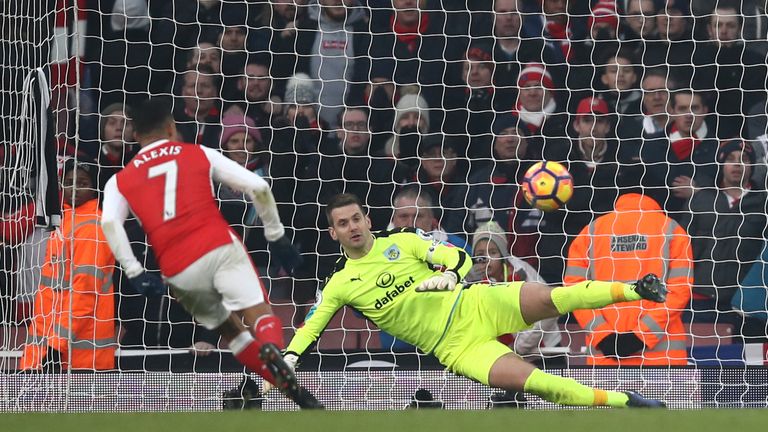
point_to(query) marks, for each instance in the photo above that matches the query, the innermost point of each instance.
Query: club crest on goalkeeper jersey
(381, 285)
(169, 188)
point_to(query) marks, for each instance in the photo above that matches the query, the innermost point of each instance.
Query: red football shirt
(169, 188)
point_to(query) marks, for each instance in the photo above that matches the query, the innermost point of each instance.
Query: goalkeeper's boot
(650, 287)
(285, 378)
(638, 401)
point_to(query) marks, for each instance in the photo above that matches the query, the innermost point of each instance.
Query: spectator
(725, 65)
(470, 107)
(126, 58)
(593, 165)
(601, 39)
(727, 225)
(557, 25)
(638, 24)
(350, 167)
(205, 54)
(197, 116)
(635, 239)
(334, 49)
(411, 121)
(241, 142)
(494, 192)
(276, 33)
(297, 143)
(619, 78)
(256, 96)
(656, 85)
(646, 133)
(589, 51)
(494, 264)
(443, 170)
(675, 46)
(683, 157)
(511, 50)
(233, 47)
(537, 108)
(411, 44)
(73, 326)
(196, 20)
(117, 144)
(414, 207)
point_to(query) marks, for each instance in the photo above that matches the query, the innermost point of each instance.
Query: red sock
(269, 329)
(249, 357)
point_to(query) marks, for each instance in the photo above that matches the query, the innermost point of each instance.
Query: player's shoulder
(338, 269)
(404, 233)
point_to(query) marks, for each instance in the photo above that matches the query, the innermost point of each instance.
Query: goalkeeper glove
(290, 359)
(286, 254)
(443, 282)
(150, 285)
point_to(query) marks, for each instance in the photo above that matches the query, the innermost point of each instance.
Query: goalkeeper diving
(408, 284)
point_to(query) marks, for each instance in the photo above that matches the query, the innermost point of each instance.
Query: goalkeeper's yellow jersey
(381, 285)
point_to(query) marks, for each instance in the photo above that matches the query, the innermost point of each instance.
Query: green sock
(567, 391)
(592, 295)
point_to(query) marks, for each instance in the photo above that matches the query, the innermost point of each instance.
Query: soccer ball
(547, 186)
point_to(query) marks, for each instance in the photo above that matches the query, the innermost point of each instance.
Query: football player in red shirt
(168, 187)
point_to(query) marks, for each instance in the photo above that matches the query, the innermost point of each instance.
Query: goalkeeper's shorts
(484, 313)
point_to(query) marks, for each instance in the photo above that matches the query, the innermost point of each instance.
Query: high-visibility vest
(75, 289)
(634, 240)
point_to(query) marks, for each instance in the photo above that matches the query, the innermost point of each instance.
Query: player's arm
(114, 213)
(230, 173)
(328, 302)
(455, 260)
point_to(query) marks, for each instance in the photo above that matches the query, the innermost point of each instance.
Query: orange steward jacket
(74, 309)
(636, 239)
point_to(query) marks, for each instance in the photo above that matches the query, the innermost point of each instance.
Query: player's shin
(591, 295)
(567, 391)
(246, 350)
(269, 329)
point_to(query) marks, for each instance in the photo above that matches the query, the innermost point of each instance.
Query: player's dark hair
(151, 116)
(341, 200)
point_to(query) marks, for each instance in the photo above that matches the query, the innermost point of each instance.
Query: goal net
(431, 112)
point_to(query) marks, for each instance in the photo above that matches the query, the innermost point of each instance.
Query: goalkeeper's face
(352, 229)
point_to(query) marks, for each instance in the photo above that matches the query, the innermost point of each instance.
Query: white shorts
(222, 281)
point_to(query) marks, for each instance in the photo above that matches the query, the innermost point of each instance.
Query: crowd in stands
(431, 112)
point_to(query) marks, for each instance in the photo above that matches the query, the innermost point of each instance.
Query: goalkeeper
(392, 278)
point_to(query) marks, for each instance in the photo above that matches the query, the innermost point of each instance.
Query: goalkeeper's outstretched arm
(326, 306)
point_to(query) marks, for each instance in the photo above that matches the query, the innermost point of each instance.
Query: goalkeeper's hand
(290, 359)
(148, 284)
(443, 282)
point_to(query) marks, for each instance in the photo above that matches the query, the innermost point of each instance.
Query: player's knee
(539, 291)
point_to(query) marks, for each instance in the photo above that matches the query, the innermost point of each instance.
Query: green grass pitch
(724, 420)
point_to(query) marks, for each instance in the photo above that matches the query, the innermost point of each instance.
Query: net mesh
(430, 112)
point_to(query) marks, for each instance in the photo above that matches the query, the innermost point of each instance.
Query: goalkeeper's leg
(538, 302)
(510, 372)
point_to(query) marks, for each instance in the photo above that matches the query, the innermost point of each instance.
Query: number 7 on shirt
(170, 170)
